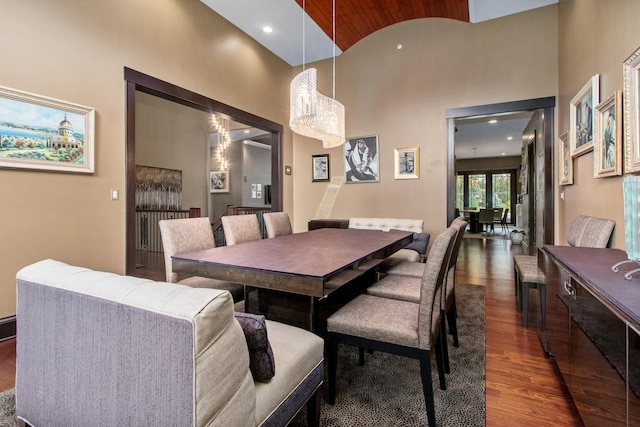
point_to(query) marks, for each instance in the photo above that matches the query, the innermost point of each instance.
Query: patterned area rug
(387, 391)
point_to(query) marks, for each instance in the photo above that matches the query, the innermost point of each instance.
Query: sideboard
(592, 331)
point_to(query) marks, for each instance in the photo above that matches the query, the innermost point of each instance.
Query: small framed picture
(566, 162)
(219, 181)
(361, 159)
(607, 145)
(631, 68)
(581, 121)
(320, 167)
(37, 132)
(406, 163)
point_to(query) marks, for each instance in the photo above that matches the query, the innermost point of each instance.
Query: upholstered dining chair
(241, 228)
(397, 327)
(277, 224)
(184, 235)
(485, 219)
(404, 284)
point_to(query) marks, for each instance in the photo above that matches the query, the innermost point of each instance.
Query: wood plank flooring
(522, 385)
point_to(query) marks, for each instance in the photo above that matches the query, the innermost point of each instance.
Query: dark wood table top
(592, 266)
(299, 263)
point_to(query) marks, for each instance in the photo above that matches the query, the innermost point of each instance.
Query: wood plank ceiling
(356, 19)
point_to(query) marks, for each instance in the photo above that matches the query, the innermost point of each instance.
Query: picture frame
(631, 115)
(219, 181)
(581, 120)
(361, 160)
(565, 160)
(607, 144)
(320, 168)
(406, 163)
(38, 132)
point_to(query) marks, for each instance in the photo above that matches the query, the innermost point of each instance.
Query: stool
(530, 276)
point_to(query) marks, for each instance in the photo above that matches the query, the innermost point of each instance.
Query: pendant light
(313, 114)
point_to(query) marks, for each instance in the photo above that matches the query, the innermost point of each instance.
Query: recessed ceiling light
(509, 138)
(492, 121)
(399, 46)
(267, 29)
(247, 131)
(503, 154)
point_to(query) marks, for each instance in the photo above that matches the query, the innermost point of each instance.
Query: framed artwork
(361, 159)
(566, 162)
(320, 167)
(607, 144)
(581, 121)
(406, 163)
(631, 68)
(37, 132)
(219, 181)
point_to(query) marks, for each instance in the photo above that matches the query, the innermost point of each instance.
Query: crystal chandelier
(313, 114)
(221, 126)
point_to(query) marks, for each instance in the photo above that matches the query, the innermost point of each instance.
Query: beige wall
(595, 38)
(403, 95)
(76, 51)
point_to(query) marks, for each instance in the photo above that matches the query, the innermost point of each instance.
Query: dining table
(301, 277)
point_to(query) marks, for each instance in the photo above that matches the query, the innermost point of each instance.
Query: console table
(592, 331)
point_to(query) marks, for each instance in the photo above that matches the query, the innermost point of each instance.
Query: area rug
(387, 391)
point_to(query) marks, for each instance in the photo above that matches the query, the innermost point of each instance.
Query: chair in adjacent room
(277, 224)
(485, 219)
(240, 228)
(503, 222)
(184, 235)
(398, 327)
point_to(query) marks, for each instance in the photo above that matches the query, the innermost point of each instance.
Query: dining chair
(397, 327)
(240, 228)
(497, 215)
(277, 224)
(184, 235)
(404, 284)
(485, 219)
(503, 221)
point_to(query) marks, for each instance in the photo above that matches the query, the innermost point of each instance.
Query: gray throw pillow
(420, 242)
(261, 362)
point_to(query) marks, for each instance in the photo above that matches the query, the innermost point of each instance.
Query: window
(493, 189)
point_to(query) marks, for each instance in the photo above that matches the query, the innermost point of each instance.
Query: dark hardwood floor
(522, 385)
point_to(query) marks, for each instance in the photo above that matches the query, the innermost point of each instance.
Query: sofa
(415, 252)
(101, 349)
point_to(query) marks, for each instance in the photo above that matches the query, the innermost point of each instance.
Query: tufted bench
(414, 252)
(584, 231)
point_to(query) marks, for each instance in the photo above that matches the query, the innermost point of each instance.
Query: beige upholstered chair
(241, 228)
(398, 327)
(405, 283)
(584, 231)
(277, 224)
(180, 236)
(485, 219)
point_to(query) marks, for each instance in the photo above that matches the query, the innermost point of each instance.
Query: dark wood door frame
(547, 105)
(137, 81)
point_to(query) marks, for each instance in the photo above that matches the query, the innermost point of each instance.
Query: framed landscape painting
(219, 181)
(406, 163)
(607, 146)
(37, 132)
(581, 121)
(631, 68)
(566, 162)
(361, 159)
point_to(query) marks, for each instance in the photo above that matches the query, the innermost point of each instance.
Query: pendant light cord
(334, 49)
(304, 59)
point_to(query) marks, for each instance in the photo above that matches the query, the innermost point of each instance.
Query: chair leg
(452, 314)
(332, 362)
(313, 408)
(524, 290)
(427, 388)
(440, 362)
(445, 344)
(361, 356)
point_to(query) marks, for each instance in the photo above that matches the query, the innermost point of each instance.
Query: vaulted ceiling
(356, 19)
